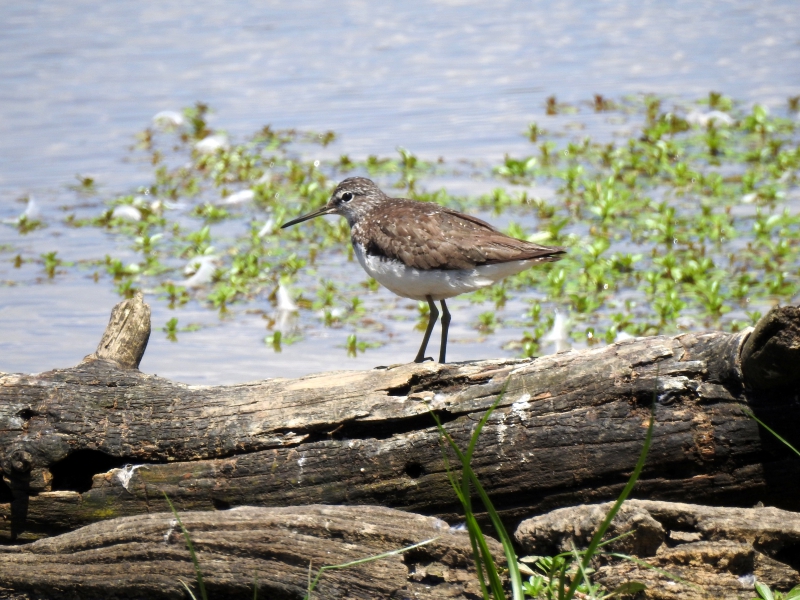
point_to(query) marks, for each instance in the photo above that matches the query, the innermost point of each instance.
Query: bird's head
(352, 197)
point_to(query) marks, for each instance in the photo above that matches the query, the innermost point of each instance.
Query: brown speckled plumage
(427, 236)
(424, 235)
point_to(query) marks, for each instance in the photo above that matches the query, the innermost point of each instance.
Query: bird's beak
(325, 210)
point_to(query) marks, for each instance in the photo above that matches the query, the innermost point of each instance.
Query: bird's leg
(432, 316)
(445, 327)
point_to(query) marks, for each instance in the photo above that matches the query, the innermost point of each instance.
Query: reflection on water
(459, 80)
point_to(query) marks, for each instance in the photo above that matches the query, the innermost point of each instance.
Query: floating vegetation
(51, 263)
(688, 218)
(171, 329)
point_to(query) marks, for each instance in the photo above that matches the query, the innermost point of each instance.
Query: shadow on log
(103, 440)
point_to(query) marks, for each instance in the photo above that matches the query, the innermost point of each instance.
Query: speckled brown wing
(427, 236)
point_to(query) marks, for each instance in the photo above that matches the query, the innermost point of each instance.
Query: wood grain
(273, 549)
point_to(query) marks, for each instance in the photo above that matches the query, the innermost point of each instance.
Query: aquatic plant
(690, 221)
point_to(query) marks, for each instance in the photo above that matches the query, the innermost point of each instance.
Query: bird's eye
(347, 196)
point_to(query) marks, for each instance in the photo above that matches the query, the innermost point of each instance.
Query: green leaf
(764, 591)
(793, 593)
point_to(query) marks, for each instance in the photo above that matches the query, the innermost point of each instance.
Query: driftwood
(711, 552)
(103, 440)
(272, 549)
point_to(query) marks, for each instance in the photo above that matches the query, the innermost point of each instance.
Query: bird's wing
(439, 238)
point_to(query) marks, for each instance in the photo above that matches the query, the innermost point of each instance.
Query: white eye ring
(347, 196)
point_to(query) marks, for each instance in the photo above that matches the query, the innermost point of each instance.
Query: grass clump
(562, 576)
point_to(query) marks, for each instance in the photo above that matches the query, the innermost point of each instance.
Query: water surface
(451, 79)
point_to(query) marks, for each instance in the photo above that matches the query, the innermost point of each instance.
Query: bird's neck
(362, 211)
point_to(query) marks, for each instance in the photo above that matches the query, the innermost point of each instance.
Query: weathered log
(712, 552)
(102, 439)
(275, 550)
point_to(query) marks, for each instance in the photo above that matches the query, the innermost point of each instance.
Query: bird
(425, 251)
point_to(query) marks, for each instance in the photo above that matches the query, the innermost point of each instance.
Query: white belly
(417, 284)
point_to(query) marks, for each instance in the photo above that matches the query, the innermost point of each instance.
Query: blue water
(452, 79)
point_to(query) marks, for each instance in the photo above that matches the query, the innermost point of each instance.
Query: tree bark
(103, 440)
(276, 550)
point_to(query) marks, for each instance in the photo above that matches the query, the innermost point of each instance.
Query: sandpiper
(423, 251)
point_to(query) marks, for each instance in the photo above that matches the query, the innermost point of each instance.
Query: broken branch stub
(127, 333)
(771, 355)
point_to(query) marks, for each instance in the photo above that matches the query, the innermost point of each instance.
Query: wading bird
(423, 251)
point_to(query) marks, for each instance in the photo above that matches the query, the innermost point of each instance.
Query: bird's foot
(422, 360)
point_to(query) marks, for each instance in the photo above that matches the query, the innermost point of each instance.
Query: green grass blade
(456, 485)
(647, 565)
(487, 560)
(598, 536)
(469, 475)
(484, 560)
(750, 414)
(562, 580)
(478, 563)
(466, 503)
(577, 558)
(508, 548)
(197, 571)
(476, 434)
(361, 561)
(188, 589)
(465, 497)
(619, 537)
(483, 557)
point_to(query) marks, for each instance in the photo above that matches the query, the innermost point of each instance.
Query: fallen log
(103, 440)
(277, 551)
